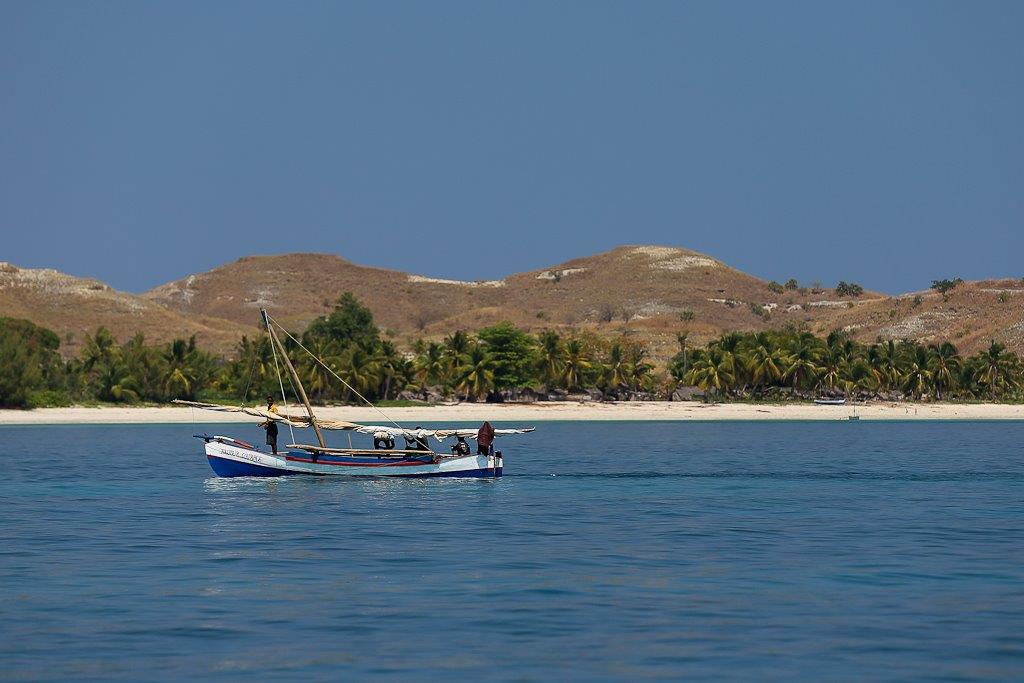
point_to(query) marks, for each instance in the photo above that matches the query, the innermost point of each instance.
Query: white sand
(528, 414)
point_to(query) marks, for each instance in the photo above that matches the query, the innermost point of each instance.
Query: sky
(876, 142)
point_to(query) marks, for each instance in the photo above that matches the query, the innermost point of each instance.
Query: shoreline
(541, 412)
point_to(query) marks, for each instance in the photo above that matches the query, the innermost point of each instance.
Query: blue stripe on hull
(477, 474)
(232, 468)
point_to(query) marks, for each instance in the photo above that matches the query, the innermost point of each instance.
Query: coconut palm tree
(181, 374)
(885, 360)
(575, 365)
(99, 348)
(360, 369)
(714, 370)
(944, 365)
(616, 368)
(315, 377)
(552, 357)
(764, 361)
(639, 368)
(476, 374)
(916, 375)
(113, 383)
(804, 353)
(431, 365)
(995, 368)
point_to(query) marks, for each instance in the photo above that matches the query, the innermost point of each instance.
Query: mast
(295, 377)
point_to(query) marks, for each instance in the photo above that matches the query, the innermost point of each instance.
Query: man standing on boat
(484, 439)
(271, 426)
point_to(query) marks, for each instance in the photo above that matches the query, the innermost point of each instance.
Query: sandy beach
(538, 412)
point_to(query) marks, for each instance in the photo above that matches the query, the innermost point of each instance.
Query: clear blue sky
(879, 142)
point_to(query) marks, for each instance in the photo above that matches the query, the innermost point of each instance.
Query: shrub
(917, 301)
(686, 315)
(1004, 297)
(791, 283)
(776, 287)
(943, 286)
(849, 289)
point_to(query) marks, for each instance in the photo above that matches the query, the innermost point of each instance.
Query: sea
(609, 551)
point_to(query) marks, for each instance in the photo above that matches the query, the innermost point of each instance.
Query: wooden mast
(295, 378)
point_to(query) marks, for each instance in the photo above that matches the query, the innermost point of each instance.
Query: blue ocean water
(609, 551)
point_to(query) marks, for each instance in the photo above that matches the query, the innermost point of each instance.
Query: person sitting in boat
(383, 441)
(415, 442)
(421, 441)
(484, 439)
(460, 447)
(271, 426)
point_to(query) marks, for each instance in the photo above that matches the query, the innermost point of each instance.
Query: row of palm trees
(135, 371)
(742, 365)
(736, 365)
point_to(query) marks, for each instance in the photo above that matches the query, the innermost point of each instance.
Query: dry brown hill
(75, 307)
(650, 292)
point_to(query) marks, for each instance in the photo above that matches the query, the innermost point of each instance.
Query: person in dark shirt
(460, 447)
(484, 439)
(271, 426)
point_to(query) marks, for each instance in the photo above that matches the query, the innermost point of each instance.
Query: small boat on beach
(830, 401)
(231, 457)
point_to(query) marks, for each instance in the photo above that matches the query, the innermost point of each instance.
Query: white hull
(230, 458)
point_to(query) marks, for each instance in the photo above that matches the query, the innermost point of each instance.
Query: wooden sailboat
(230, 457)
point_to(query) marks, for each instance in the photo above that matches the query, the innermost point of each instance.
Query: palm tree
(916, 375)
(431, 366)
(180, 374)
(832, 368)
(616, 372)
(714, 370)
(639, 368)
(764, 361)
(99, 348)
(995, 368)
(802, 360)
(944, 365)
(576, 364)
(476, 375)
(360, 369)
(885, 363)
(113, 383)
(456, 347)
(552, 357)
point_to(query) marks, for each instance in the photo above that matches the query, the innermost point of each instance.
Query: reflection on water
(735, 551)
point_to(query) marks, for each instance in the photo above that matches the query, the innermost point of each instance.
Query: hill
(75, 307)
(650, 292)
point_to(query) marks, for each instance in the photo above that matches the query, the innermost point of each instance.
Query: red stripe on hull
(403, 463)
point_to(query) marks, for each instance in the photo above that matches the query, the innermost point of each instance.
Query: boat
(830, 401)
(231, 457)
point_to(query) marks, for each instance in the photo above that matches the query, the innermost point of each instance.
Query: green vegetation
(493, 363)
(849, 289)
(944, 286)
(776, 363)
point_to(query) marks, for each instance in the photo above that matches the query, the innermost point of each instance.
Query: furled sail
(286, 418)
(439, 434)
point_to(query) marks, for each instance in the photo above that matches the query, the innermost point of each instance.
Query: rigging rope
(284, 396)
(252, 369)
(338, 377)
